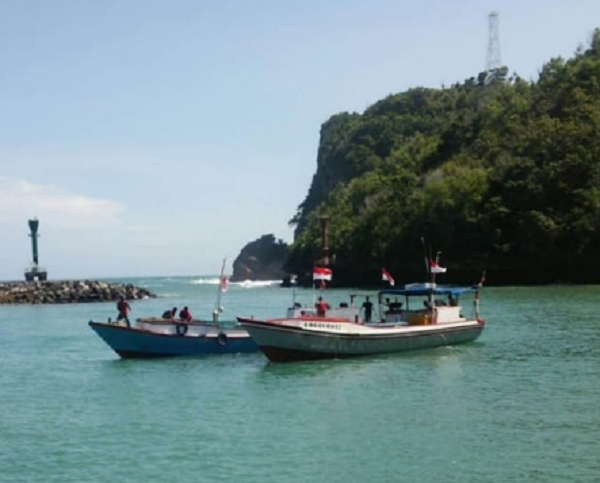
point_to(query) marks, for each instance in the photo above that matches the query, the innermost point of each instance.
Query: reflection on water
(446, 362)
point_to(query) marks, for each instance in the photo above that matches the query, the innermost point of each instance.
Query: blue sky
(155, 137)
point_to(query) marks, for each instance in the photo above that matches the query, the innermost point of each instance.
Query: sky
(156, 137)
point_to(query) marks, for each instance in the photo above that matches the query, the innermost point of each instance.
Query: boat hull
(287, 344)
(131, 342)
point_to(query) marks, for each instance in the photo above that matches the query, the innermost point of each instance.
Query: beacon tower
(35, 271)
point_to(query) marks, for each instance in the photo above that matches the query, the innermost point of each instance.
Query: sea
(521, 404)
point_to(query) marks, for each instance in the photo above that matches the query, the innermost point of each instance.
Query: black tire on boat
(222, 338)
(181, 329)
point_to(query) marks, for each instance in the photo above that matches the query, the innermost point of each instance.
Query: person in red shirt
(123, 310)
(185, 314)
(322, 307)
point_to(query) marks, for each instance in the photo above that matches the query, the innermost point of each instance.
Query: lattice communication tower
(493, 60)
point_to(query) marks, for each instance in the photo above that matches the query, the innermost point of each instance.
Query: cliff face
(261, 259)
(497, 172)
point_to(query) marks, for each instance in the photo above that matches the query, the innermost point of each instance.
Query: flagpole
(479, 287)
(427, 268)
(313, 286)
(219, 292)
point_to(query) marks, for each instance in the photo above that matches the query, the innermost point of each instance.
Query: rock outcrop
(261, 259)
(68, 292)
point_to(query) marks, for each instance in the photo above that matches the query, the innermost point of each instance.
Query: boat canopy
(426, 288)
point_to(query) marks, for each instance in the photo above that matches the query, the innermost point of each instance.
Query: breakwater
(68, 292)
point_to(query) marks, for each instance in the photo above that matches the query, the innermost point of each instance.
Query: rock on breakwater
(68, 292)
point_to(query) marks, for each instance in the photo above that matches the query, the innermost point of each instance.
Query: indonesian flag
(322, 273)
(386, 277)
(224, 283)
(435, 268)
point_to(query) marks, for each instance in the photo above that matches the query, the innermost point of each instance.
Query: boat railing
(351, 314)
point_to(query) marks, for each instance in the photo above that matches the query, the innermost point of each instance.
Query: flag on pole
(322, 273)
(435, 268)
(224, 283)
(386, 277)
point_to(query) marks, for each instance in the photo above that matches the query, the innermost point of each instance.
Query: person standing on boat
(368, 307)
(322, 307)
(123, 310)
(185, 314)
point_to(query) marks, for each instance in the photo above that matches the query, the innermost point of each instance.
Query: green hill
(496, 172)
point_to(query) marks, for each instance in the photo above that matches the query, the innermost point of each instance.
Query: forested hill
(498, 173)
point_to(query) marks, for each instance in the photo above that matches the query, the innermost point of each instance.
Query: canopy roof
(425, 288)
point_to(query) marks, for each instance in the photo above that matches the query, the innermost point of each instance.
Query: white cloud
(21, 200)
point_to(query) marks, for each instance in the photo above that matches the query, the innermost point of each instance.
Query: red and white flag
(435, 268)
(386, 277)
(322, 273)
(224, 283)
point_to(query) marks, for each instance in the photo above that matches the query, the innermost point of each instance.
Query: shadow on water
(409, 360)
(180, 364)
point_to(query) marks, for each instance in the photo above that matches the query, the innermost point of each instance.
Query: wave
(169, 294)
(256, 283)
(244, 284)
(205, 281)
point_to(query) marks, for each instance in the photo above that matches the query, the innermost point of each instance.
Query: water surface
(520, 404)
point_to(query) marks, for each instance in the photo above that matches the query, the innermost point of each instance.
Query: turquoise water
(520, 404)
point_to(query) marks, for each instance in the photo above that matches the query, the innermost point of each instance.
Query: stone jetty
(68, 292)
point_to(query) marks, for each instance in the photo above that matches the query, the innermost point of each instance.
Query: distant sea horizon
(209, 279)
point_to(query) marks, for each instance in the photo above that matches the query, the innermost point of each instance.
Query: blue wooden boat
(161, 337)
(167, 338)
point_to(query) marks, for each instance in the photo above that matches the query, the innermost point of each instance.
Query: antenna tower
(492, 61)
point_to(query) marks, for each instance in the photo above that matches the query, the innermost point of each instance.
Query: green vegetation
(497, 172)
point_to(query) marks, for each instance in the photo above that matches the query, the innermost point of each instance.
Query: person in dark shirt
(170, 314)
(123, 310)
(368, 308)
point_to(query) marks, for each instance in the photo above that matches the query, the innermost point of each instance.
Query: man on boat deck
(185, 314)
(322, 307)
(123, 310)
(170, 314)
(368, 306)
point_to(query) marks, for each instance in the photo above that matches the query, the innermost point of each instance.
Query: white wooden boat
(424, 320)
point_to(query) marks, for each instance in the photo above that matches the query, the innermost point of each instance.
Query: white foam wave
(244, 284)
(205, 281)
(256, 283)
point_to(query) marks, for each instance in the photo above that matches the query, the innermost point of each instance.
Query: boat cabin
(415, 304)
(422, 304)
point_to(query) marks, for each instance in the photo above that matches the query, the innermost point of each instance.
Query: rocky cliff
(261, 259)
